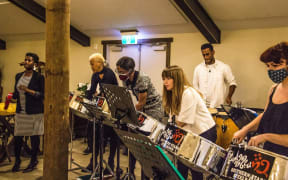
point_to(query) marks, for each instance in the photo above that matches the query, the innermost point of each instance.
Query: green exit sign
(129, 39)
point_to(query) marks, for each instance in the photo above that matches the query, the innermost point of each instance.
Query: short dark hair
(34, 56)
(126, 63)
(275, 53)
(207, 45)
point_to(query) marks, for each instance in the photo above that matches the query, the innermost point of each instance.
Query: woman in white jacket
(184, 104)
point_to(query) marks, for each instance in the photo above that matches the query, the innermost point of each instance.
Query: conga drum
(213, 112)
(225, 127)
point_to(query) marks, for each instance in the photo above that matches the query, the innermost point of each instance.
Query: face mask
(277, 76)
(123, 77)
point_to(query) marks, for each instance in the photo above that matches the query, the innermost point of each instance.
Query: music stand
(152, 158)
(71, 130)
(99, 116)
(122, 108)
(120, 103)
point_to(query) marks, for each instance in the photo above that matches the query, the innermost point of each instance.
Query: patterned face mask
(277, 76)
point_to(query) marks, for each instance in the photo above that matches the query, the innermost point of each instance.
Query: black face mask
(277, 76)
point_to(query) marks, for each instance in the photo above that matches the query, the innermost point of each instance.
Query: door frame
(167, 41)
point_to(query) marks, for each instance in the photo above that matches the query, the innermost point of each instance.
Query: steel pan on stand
(194, 151)
(247, 162)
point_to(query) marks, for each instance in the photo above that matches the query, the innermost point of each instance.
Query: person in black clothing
(272, 124)
(101, 74)
(29, 121)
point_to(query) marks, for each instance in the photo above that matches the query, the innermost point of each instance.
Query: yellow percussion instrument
(6, 112)
(225, 128)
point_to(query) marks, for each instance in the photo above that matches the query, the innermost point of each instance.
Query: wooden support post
(57, 90)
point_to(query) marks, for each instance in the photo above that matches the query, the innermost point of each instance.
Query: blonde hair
(97, 57)
(172, 99)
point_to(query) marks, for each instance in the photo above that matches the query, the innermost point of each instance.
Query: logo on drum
(177, 136)
(100, 102)
(248, 164)
(141, 119)
(260, 165)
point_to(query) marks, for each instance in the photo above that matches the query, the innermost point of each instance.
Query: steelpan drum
(101, 103)
(201, 154)
(77, 108)
(171, 138)
(150, 126)
(247, 162)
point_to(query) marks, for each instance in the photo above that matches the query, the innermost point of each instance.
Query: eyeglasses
(121, 73)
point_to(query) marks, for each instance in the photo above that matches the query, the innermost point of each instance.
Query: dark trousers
(211, 135)
(108, 132)
(35, 142)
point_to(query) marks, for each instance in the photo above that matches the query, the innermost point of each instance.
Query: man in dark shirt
(104, 75)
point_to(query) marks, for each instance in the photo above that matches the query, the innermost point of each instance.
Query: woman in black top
(272, 124)
(29, 93)
(103, 75)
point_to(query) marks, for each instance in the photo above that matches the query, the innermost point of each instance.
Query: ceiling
(107, 17)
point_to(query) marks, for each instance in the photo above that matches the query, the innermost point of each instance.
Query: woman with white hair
(101, 74)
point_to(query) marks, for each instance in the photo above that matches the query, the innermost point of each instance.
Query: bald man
(104, 75)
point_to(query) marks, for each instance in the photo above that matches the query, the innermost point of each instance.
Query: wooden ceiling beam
(38, 11)
(200, 18)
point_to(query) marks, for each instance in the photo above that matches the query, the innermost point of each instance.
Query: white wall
(240, 49)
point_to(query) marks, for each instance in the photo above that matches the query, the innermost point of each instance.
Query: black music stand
(152, 158)
(122, 108)
(120, 103)
(99, 116)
